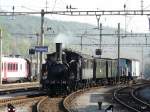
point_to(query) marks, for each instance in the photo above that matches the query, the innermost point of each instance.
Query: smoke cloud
(65, 39)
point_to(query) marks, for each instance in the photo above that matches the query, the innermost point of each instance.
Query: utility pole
(100, 39)
(125, 23)
(146, 40)
(37, 55)
(81, 42)
(0, 56)
(42, 41)
(142, 6)
(98, 19)
(100, 33)
(118, 61)
(142, 63)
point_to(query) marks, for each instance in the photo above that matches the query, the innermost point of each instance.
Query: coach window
(86, 63)
(16, 67)
(11, 67)
(89, 64)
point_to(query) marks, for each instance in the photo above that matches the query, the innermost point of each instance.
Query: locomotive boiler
(60, 73)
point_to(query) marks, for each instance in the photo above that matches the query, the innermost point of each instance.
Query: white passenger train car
(135, 68)
(130, 67)
(15, 69)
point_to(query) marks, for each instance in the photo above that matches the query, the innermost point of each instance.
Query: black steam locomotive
(66, 71)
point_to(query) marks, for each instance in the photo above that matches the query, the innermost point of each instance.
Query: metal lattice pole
(42, 41)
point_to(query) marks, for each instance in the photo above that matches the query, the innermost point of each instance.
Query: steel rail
(132, 102)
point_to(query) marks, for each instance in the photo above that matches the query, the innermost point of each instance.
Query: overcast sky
(134, 23)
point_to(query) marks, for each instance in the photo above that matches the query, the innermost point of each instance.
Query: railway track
(21, 99)
(20, 103)
(51, 105)
(126, 97)
(17, 86)
(18, 100)
(59, 104)
(136, 95)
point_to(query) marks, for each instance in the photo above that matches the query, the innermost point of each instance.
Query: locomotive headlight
(100, 70)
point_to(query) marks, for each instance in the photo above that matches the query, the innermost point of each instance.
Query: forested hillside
(19, 32)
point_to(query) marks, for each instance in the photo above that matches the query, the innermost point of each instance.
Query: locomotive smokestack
(59, 51)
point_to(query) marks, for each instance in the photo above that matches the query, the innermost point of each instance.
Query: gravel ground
(88, 102)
